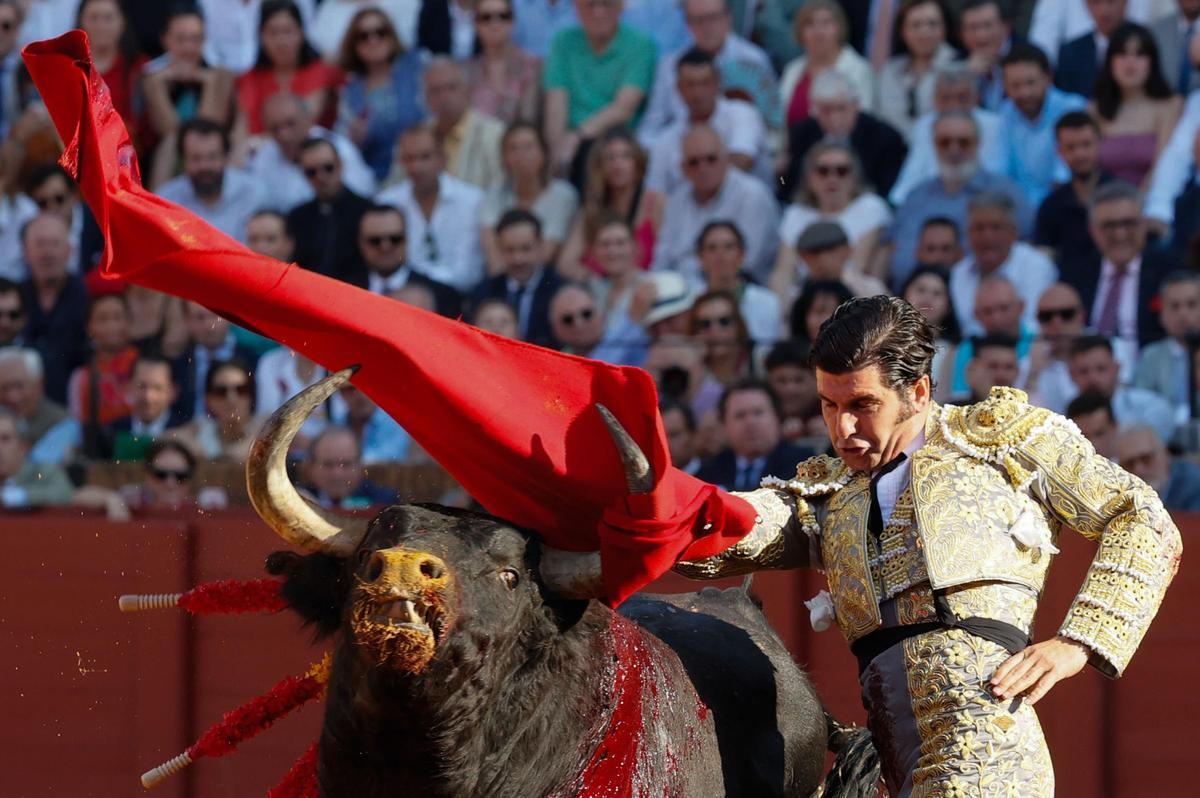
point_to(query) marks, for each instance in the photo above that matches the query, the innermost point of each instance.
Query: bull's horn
(639, 477)
(275, 498)
(572, 574)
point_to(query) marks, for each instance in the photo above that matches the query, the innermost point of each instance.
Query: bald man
(713, 191)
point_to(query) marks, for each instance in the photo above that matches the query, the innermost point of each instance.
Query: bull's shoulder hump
(817, 476)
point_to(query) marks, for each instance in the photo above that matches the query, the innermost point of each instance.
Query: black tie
(875, 516)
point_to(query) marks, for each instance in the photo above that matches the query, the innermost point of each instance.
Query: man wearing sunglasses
(383, 242)
(1060, 319)
(325, 228)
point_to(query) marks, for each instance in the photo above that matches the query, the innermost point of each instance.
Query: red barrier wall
(92, 698)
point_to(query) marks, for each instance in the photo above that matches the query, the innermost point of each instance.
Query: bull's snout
(404, 567)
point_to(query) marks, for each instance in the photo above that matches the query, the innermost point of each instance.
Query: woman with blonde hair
(820, 28)
(616, 171)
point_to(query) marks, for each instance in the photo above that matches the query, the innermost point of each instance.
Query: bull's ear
(316, 586)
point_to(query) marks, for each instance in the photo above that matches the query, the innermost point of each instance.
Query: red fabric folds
(513, 423)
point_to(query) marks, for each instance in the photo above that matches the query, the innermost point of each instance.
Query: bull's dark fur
(507, 705)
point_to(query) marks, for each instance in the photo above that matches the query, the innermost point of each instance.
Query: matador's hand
(1031, 673)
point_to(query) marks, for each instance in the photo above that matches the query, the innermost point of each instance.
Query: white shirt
(446, 246)
(737, 122)
(1055, 388)
(665, 106)
(231, 31)
(921, 163)
(760, 309)
(1056, 22)
(1174, 166)
(15, 211)
(45, 19)
(153, 429)
(1127, 310)
(892, 484)
(462, 31)
(276, 381)
(1029, 271)
(283, 182)
(333, 18)
(865, 213)
(742, 199)
(241, 196)
(380, 284)
(1132, 405)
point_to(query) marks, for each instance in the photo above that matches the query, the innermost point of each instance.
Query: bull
(469, 662)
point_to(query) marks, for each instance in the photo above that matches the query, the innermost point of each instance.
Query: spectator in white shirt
(440, 212)
(740, 62)
(715, 191)
(738, 123)
(224, 197)
(995, 250)
(275, 164)
(1093, 368)
(231, 30)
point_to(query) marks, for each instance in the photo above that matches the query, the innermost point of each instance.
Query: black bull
(458, 673)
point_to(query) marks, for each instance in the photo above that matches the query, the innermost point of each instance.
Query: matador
(935, 528)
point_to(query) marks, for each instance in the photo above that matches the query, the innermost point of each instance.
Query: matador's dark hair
(883, 331)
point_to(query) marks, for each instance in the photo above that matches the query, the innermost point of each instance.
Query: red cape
(512, 422)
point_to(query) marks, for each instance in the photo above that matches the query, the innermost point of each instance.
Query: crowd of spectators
(689, 186)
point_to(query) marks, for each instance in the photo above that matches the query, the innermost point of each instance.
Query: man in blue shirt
(1028, 117)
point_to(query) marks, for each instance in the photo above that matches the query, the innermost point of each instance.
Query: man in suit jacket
(755, 448)
(526, 283)
(1165, 366)
(1080, 59)
(325, 229)
(152, 394)
(1124, 264)
(836, 115)
(1172, 33)
(382, 240)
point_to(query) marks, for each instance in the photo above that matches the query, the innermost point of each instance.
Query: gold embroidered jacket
(990, 479)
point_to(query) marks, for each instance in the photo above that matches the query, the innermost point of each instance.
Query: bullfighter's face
(422, 578)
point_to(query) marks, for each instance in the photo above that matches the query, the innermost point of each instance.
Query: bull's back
(769, 723)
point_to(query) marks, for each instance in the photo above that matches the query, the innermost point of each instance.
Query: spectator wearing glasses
(576, 321)
(833, 191)
(505, 80)
(336, 475)
(335, 20)
(170, 468)
(716, 323)
(287, 62)
(1118, 284)
(738, 122)
(382, 95)
(527, 283)
(275, 164)
(12, 314)
(837, 115)
(53, 191)
(596, 78)
(528, 185)
(1062, 220)
(1142, 453)
(383, 242)
(906, 80)
(1060, 319)
(211, 340)
(745, 70)
(714, 191)
(227, 427)
(438, 211)
(1164, 366)
(820, 28)
(960, 177)
(721, 251)
(209, 187)
(325, 229)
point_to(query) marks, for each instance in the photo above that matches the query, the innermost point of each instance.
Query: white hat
(672, 297)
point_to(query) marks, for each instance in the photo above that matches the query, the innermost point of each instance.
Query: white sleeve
(749, 131)
(1175, 164)
(1046, 27)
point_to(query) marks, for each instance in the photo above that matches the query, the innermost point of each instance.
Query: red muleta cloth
(511, 422)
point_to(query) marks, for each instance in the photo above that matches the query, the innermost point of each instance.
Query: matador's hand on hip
(1031, 673)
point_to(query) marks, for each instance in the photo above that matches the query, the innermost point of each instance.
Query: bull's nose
(404, 567)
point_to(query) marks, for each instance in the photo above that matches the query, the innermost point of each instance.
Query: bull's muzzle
(404, 567)
(400, 611)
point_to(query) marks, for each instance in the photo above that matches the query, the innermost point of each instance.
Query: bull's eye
(510, 578)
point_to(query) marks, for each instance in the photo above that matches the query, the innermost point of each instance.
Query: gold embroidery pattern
(778, 539)
(972, 746)
(846, 553)
(898, 563)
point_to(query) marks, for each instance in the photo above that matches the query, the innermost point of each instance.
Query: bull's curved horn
(572, 574)
(639, 477)
(278, 503)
